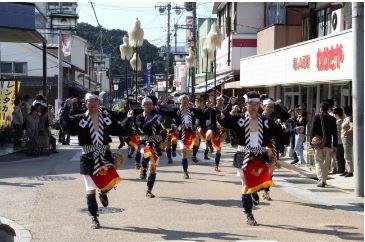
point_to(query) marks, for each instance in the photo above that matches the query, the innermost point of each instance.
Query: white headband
(89, 96)
(183, 96)
(268, 102)
(146, 100)
(255, 99)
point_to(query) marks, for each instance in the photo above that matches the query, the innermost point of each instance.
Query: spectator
(340, 160)
(39, 99)
(32, 124)
(17, 123)
(300, 125)
(327, 123)
(347, 136)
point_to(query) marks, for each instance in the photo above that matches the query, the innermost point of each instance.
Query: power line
(96, 17)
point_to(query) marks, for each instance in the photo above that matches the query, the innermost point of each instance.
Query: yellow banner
(7, 96)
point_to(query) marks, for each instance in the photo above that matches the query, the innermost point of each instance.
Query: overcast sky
(121, 15)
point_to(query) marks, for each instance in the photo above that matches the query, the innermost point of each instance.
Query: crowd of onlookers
(31, 122)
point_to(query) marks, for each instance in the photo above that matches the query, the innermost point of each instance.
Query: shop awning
(200, 88)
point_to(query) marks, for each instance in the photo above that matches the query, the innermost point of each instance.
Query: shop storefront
(305, 73)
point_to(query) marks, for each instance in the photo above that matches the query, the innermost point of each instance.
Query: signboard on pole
(149, 77)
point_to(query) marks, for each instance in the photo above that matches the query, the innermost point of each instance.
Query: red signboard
(301, 62)
(330, 58)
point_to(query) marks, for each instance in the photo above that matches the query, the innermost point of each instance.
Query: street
(46, 196)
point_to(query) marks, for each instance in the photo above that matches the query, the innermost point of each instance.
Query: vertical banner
(7, 96)
(149, 77)
(66, 44)
(189, 32)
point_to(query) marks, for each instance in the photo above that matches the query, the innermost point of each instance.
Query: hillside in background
(111, 41)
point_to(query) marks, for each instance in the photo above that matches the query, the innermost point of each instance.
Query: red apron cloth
(148, 153)
(257, 176)
(189, 139)
(108, 181)
(134, 141)
(217, 139)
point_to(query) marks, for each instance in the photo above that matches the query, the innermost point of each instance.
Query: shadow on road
(17, 184)
(218, 203)
(333, 230)
(353, 207)
(167, 234)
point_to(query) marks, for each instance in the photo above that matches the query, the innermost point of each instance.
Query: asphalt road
(46, 196)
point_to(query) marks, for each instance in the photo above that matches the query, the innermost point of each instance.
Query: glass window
(6, 67)
(275, 14)
(305, 28)
(20, 68)
(321, 23)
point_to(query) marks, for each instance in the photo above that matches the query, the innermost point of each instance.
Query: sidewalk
(8, 149)
(346, 184)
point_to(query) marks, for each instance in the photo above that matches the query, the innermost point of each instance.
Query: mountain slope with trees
(110, 42)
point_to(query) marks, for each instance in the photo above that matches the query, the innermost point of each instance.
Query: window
(275, 13)
(6, 67)
(20, 68)
(305, 28)
(13, 68)
(323, 22)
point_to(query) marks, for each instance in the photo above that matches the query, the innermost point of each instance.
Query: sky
(121, 15)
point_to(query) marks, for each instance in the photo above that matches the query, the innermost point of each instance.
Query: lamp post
(136, 34)
(190, 63)
(214, 42)
(208, 53)
(126, 52)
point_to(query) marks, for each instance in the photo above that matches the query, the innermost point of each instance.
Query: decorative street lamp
(190, 64)
(136, 34)
(214, 42)
(208, 53)
(126, 52)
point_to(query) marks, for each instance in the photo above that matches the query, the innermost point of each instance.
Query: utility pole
(358, 95)
(195, 52)
(168, 48)
(60, 69)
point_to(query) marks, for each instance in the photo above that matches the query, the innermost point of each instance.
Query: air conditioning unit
(336, 21)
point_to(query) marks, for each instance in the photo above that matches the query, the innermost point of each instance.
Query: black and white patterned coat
(94, 141)
(241, 125)
(187, 119)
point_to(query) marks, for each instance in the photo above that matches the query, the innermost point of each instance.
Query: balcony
(278, 36)
(18, 22)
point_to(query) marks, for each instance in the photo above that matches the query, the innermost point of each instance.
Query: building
(43, 22)
(239, 23)
(304, 59)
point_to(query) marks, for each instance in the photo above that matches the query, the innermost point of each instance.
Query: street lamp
(214, 42)
(126, 52)
(136, 34)
(190, 64)
(208, 53)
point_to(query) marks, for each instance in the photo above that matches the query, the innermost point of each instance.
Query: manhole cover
(51, 178)
(103, 210)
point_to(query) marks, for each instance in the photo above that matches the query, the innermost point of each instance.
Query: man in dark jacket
(323, 156)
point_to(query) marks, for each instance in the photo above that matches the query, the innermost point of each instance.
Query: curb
(22, 234)
(309, 174)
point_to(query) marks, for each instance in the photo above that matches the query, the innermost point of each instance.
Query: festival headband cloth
(89, 96)
(255, 99)
(146, 100)
(183, 96)
(268, 102)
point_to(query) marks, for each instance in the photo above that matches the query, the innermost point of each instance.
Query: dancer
(253, 152)
(150, 127)
(185, 121)
(93, 129)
